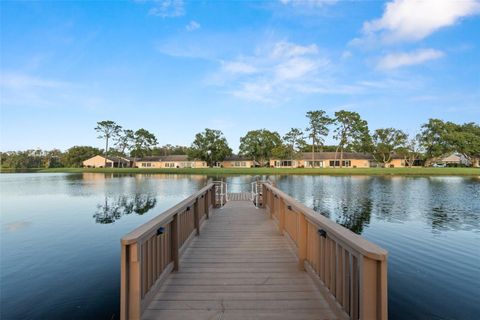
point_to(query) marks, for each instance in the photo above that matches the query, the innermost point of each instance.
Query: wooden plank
(249, 296)
(241, 266)
(173, 287)
(239, 304)
(221, 314)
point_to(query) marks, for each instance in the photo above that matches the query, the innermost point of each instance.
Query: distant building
(455, 159)
(236, 161)
(173, 161)
(112, 162)
(325, 160)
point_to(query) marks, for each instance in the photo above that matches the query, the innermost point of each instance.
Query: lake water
(60, 236)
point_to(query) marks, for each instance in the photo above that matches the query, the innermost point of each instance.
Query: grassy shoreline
(271, 171)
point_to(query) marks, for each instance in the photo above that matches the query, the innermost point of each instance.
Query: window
(314, 164)
(170, 165)
(146, 164)
(240, 164)
(336, 163)
(186, 165)
(286, 163)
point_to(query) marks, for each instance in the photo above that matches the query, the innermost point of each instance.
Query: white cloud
(193, 25)
(273, 72)
(413, 20)
(285, 49)
(238, 67)
(397, 60)
(168, 8)
(295, 68)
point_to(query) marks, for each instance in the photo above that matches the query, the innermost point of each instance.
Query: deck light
(322, 233)
(160, 231)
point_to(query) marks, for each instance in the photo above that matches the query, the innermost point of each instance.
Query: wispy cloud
(192, 26)
(272, 71)
(397, 60)
(168, 8)
(24, 90)
(238, 67)
(413, 20)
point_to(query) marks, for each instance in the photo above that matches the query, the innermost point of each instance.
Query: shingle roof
(331, 155)
(236, 157)
(116, 159)
(173, 158)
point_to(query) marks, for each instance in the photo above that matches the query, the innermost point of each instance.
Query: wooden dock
(246, 262)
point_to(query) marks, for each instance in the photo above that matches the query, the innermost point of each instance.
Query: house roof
(236, 157)
(116, 159)
(173, 158)
(331, 155)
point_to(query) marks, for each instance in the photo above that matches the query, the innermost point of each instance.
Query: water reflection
(115, 207)
(444, 204)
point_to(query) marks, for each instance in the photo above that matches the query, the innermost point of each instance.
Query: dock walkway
(240, 267)
(219, 256)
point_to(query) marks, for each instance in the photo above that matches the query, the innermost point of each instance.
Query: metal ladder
(256, 192)
(221, 192)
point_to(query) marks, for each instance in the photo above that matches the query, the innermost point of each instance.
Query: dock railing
(350, 270)
(153, 250)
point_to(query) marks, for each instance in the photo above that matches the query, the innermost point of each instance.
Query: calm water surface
(60, 236)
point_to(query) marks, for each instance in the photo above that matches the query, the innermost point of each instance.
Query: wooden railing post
(272, 204)
(372, 289)
(213, 197)
(196, 217)
(302, 240)
(281, 215)
(175, 244)
(206, 204)
(264, 196)
(135, 283)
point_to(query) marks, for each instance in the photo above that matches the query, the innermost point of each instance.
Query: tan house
(236, 161)
(454, 159)
(173, 161)
(325, 160)
(112, 162)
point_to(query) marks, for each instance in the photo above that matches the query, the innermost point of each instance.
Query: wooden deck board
(240, 267)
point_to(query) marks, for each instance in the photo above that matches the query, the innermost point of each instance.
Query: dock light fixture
(322, 233)
(276, 196)
(160, 231)
(188, 209)
(289, 207)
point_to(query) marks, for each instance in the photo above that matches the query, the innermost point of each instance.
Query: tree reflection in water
(115, 207)
(354, 217)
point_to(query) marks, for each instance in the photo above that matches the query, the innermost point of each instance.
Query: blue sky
(175, 67)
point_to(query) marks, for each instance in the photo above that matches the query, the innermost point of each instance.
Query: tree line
(435, 138)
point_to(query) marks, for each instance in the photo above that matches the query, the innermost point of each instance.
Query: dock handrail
(351, 269)
(153, 250)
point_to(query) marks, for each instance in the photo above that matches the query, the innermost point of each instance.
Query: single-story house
(236, 161)
(325, 160)
(112, 162)
(173, 161)
(453, 159)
